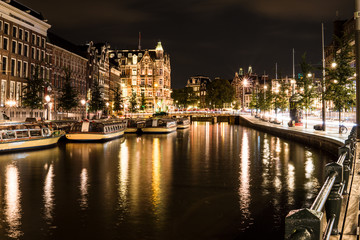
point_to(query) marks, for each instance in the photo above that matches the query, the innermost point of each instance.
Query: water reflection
(49, 193)
(84, 185)
(12, 201)
(244, 190)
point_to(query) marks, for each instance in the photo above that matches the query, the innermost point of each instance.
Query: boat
(134, 125)
(27, 136)
(159, 125)
(64, 125)
(96, 130)
(182, 123)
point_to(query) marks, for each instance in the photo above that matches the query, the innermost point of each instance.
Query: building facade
(147, 73)
(23, 34)
(198, 85)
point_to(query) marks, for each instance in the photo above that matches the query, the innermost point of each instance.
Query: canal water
(208, 182)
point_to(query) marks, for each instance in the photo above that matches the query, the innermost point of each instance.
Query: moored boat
(159, 125)
(96, 130)
(183, 122)
(27, 136)
(134, 125)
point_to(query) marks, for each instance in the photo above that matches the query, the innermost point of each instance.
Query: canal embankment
(329, 141)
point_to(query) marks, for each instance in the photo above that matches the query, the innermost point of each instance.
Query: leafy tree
(280, 97)
(96, 102)
(219, 92)
(68, 98)
(133, 101)
(184, 97)
(34, 90)
(254, 102)
(308, 92)
(118, 101)
(339, 83)
(142, 102)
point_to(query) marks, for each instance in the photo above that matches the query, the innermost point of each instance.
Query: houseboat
(27, 136)
(182, 123)
(134, 125)
(159, 125)
(96, 130)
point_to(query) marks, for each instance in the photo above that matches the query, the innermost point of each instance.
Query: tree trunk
(306, 116)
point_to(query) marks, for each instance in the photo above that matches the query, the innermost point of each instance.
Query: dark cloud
(209, 37)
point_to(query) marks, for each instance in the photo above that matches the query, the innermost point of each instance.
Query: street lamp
(83, 102)
(10, 104)
(47, 99)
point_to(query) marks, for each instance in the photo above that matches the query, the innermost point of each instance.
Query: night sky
(212, 38)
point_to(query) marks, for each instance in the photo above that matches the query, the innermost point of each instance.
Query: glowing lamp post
(47, 99)
(83, 102)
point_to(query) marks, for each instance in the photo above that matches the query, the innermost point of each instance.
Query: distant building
(243, 84)
(65, 56)
(198, 84)
(148, 73)
(23, 34)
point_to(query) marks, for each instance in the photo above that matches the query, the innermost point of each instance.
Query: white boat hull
(26, 144)
(88, 136)
(158, 129)
(183, 126)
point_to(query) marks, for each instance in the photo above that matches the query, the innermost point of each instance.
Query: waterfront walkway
(350, 213)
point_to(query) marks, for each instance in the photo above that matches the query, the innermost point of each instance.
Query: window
(13, 67)
(38, 54)
(21, 33)
(33, 53)
(14, 31)
(134, 72)
(3, 93)
(18, 92)
(1, 25)
(18, 69)
(33, 39)
(4, 65)
(25, 70)
(42, 55)
(12, 90)
(6, 28)
(142, 81)
(26, 35)
(26, 50)
(6, 43)
(38, 41)
(160, 82)
(13, 46)
(20, 48)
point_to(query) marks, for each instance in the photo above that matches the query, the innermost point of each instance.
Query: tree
(118, 101)
(97, 102)
(308, 91)
(219, 92)
(142, 102)
(34, 90)
(280, 97)
(339, 83)
(133, 101)
(254, 102)
(184, 97)
(68, 98)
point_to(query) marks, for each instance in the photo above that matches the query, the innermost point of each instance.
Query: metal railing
(308, 223)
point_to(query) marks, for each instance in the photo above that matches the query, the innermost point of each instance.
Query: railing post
(333, 202)
(346, 149)
(304, 224)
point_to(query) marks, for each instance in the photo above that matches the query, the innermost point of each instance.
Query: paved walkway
(332, 131)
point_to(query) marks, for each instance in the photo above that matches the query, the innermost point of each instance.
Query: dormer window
(119, 55)
(134, 59)
(130, 55)
(140, 55)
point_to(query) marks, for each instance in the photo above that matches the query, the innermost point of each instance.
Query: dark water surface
(208, 182)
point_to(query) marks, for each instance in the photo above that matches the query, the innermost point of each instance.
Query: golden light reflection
(49, 194)
(309, 165)
(244, 190)
(12, 202)
(84, 185)
(291, 182)
(156, 174)
(123, 174)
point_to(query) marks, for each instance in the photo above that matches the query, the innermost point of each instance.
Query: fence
(310, 223)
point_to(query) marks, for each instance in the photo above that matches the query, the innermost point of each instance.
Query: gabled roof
(24, 8)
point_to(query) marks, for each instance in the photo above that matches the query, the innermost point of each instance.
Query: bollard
(304, 224)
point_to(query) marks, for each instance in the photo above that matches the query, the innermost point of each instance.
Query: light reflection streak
(291, 182)
(123, 174)
(49, 194)
(12, 201)
(156, 174)
(244, 190)
(84, 185)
